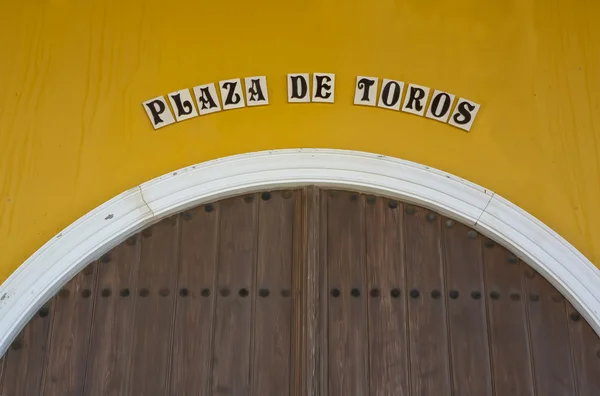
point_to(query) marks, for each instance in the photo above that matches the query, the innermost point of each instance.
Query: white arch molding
(94, 234)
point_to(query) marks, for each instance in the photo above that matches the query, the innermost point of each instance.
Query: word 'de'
(318, 88)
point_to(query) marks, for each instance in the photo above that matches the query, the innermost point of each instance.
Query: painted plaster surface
(73, 75)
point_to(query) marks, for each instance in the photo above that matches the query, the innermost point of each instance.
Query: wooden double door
(305, 292)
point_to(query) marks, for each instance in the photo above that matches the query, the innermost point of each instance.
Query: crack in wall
(486, 206)
(145, 202)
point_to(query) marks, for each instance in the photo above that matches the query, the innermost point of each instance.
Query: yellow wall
(73, 75)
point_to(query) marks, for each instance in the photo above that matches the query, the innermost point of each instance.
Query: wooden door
(305, 292)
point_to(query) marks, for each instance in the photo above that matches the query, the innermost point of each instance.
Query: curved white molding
(61, 258)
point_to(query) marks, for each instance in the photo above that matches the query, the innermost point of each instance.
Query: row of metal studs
(335, 292)
(164, 292)
(453, 294)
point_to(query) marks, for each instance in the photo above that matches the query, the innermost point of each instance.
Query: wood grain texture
(192, 339)
(467, 320)
(236, 298)
(313, 291)
(2, 369)
(388, 330)
(299, 358)
(67, 353)
(323, 239)
(550, 344)
(348, 354)
(109, 358)
(154, 309)
(235, 273)
(24, 364)
(430, 371)
(585, 350)
(305, 291)
(508, 329)
(272, 293)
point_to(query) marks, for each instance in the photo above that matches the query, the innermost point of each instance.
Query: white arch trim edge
(61, 258)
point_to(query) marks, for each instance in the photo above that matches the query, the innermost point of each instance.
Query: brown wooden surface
(312, 344)
(430, 371)
(26, 358)
(273, 298)
(585, 348)
(67, 353)
(193, 336)
(323, 339)
(549, 339)
(233, 316)
(235, 298)
(348, 342)
(2, 370)
(108, 367)
(301, 326)
(508, 328)
(467, 322)
(154, 309)
(388, 335)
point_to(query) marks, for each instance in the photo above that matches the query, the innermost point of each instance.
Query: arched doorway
(306, 291)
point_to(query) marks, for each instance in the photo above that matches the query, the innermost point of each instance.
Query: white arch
(61, 258)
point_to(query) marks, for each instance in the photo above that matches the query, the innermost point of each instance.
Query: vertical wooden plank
(388, 357)
(307, 328)
(348, 341)
(154, 309)
(273, 312)
(190, 373)
(25, 360)
(585, 348)
(109, 360)
(549, 338)
(467, 320)
(2, 369)
(325, 294)
(233, 319)
(299, 332)
(70, 335)
(301, 327)
(508, 330)
(430, 371)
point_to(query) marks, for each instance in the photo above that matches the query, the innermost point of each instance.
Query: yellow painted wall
(73, 75)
